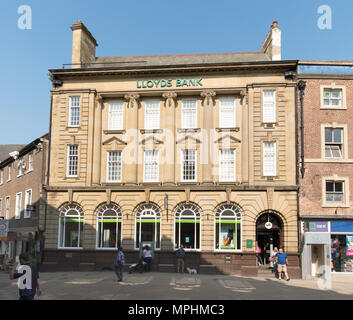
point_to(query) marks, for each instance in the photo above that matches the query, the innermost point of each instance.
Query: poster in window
(74, 238)
(349, 241)
(227, 236)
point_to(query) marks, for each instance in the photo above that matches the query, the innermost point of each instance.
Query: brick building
(22, 199)
(326, 177)
(195, 150)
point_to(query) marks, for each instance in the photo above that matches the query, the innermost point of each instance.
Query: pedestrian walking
(119, 264)
(258, 255)
(282, 262)
(147, 257)
(27, 273)
(273, 259)
(180, 253)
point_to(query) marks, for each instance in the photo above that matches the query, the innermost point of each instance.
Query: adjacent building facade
(326, 167)
(22, 199)
(192, 150)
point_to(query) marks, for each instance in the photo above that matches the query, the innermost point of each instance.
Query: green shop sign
(167, 83)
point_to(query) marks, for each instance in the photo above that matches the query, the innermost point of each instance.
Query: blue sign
(342, 226)
(318, 226)
(187, 239)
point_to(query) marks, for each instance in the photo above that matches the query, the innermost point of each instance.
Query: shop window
(334, 191)
(333, 143)
(71, 227)
(148, 226)
(228, 228)
(116, 116)
(109, 227)
(342, 253)
(187, 227)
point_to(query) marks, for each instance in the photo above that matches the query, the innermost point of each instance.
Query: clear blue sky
(139, 27)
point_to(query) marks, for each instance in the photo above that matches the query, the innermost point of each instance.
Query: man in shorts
(28, 277)
(282, 262)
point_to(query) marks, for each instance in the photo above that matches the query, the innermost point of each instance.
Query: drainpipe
(301, 87)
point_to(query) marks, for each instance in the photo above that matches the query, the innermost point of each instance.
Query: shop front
(327, 247)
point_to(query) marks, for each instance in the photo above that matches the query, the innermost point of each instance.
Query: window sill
(144, 131)
(68, 248)
(106, 249)
(335, 205)
(188, 130)
(114, 131)
(70, 178)
(236, 129)
(332, 108)
(29, 171)
(269, 125)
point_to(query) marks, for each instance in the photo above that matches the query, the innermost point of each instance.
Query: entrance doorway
(269, 234)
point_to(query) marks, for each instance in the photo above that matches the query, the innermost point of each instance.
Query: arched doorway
(269, 234)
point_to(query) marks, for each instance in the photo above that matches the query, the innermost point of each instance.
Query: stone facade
(98, 85)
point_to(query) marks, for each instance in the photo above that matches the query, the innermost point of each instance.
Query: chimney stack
(83, 45)
(272, 44)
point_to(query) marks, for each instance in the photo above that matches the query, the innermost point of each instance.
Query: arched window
(148, 226)
(228, 228)
(71, 226)
(108, 227)
(187, 226)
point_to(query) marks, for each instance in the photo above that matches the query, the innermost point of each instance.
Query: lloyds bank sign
(167, 83)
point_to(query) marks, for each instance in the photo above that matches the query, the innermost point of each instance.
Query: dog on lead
(191, 271)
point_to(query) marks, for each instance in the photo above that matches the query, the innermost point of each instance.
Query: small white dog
(191, 271)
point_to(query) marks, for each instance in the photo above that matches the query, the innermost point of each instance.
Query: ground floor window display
(228, 228)
(109, 227)
(71, 227)
(342, 246)
(187, 226)
(148, 225)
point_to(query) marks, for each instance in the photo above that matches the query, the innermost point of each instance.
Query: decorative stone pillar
(97, 141)
(131, 168)
(205, 157)
(168, 161)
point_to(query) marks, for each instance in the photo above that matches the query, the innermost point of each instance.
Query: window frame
(345, 187)
(68, 155)
(274, 170)
(9, 173)
(120, 166)
(183, 116)
(27, 214)
(236, 218)
(139, 216)
(81, 219)
(156, 179)
(234, 177)
(268, 119)
(333, 143)
(70, 117)
(121, 120)
(18, 207)
(118, 221)
(333, 87)
(30, 162)
(197, 220)
(7, 208)
(221, 116)
(148, 119)
(2, 176)
(182, 165)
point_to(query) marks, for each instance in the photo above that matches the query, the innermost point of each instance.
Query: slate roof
(5, 149)
(179, 59)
